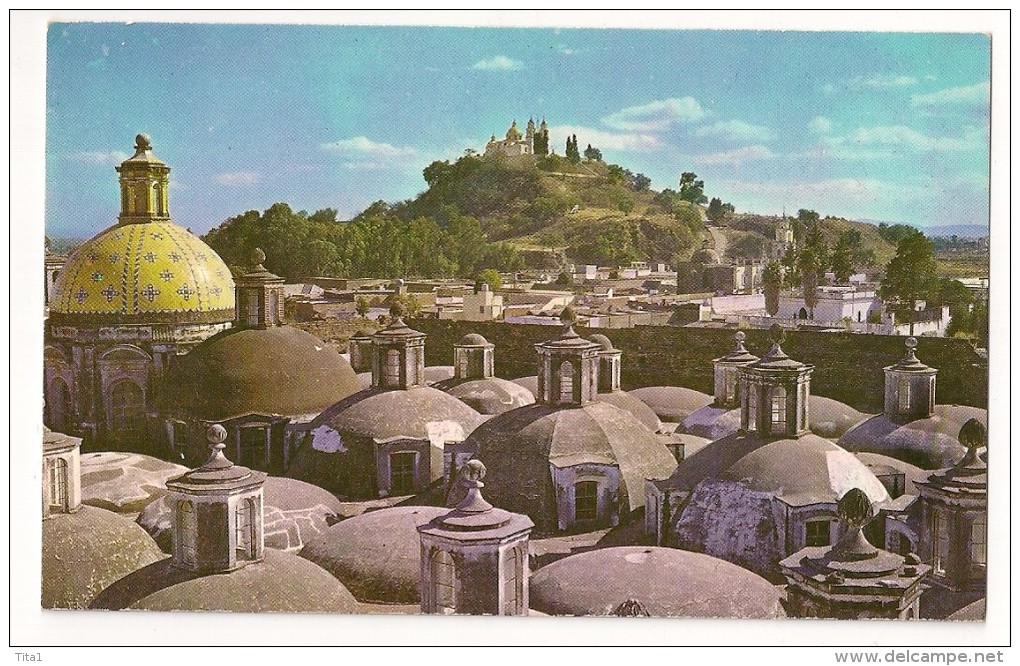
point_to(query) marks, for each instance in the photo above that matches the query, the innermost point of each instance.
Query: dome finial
(855, 511)
(216, 435)
(974, 436)
(143, 143)
(470, 478)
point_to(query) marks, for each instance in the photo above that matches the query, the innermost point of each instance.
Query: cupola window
(444, 576)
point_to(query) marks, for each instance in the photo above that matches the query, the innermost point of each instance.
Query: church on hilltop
(533, 142)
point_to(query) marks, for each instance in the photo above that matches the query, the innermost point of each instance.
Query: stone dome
(706, 255)
(293, 513)
(672, 404)
(473, 340)
(929, 443)
(489, 395)
(281, 583)
(124, 483)
(805, 470)
(519, 446)
(376, 555)
(146, 272)
(665, 582)
(278, 370)
(86, 551)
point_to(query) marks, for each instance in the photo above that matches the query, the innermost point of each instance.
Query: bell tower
(144, 180)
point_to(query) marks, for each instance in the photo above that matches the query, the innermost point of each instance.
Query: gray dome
(672, 404)
(124, 483)
(473, 340)
(376, 555)
(518, 447)
(281, 583)
(85, 552)
(293, 513)
(666, 582)
(275, 370)
(929, 443)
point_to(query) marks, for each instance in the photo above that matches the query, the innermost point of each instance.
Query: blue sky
(883, 126)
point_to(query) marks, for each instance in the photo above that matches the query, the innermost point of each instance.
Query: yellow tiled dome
(152, 271)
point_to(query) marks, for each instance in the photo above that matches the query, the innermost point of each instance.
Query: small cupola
(398, 354)
(217, 513)
(568, 367)
(144, 181)
(473, 357)
(474, 559)
(61, 473)
(359, 348)
(609, 364)
(853, 579)
(727, 375)
(909, 387)
(954, 515)
(259, 295)
(775, 392)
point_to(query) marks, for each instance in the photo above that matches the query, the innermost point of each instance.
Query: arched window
(586, 505)
(940, 542)
(778, 416)
(59, 404)
(187, 529)
(244, 530)
(127, 409)
(978, 541)
(513, 581)
(566, 375)
(903, 395)
(752, 409)
(444, 581)
(58, 485)
(391, 369)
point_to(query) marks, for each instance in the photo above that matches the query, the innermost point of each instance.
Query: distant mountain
(947, 230)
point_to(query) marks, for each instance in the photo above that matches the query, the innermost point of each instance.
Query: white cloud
(745, 154)
(238, 178)
(363, 146)
(820, 125)
(630, 142)
(869, 142)
(736, 130)
(886, 81)
(656, 115)
(110, 158)
(975, 95)
(498, 63)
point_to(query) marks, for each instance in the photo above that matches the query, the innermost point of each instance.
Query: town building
(128, 302)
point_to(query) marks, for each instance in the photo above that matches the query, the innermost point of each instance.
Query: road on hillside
(719, 242)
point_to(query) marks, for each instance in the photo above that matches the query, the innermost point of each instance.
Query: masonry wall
(848, 367)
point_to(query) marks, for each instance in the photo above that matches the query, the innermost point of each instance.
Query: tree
(909, 277)
(592, 154)
(692, 189)
(361, 305)
(490, 277)
(842, 260)
(810, 275)
(716, 210)
(773, 284)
